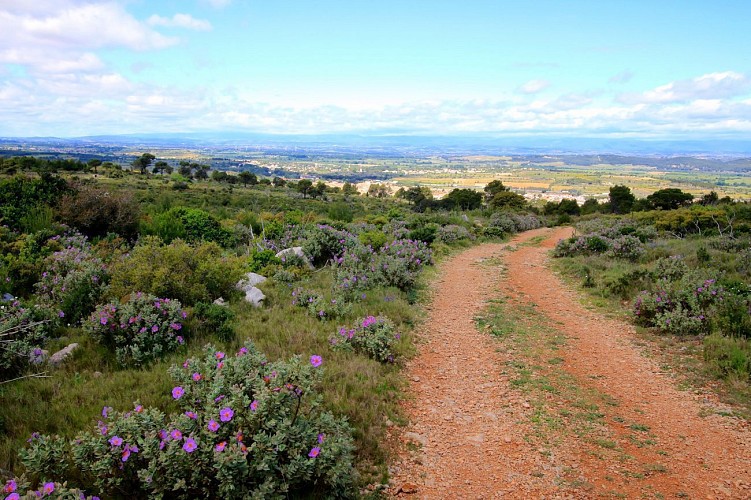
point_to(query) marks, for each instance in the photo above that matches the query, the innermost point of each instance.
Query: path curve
(468, 424)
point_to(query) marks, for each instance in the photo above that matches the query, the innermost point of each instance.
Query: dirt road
(547, 399)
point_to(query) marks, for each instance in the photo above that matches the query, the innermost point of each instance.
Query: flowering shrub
(608, 242)
(680, 307)
(23, 330)
(140, 330)
(74, 281)
(246, 428)
(319, 307)
(452, 233)
(670, 268)
(19, 488)
(626, 247)
(324, 243)
(372, 336)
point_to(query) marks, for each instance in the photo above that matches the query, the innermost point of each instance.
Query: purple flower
(243, 351)
(175, 326)
(13, 496)
(220, 447)
(125, 455)
(103, 320)
(196, 377)
(155, 328)
(116, 441)
(180, 339)
(254, 405)
(190, 445)
(321, 438)
(226, 414)
(48, 488)
(176, 434)
(213, 425)
(178, 392)
(191, 415)
(61, 314)
(314, 452)
(10, 487)
(316, 360)
(139, 409)
(219, 355)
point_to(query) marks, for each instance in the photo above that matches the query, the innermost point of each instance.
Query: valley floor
(519, 391)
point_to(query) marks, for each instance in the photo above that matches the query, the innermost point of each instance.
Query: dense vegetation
(129, 270)
(293, 396)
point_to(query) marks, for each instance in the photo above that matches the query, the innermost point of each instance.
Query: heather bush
(318, 306)
(140, 330)
(246, 428)
(626, 247)
(74, 279)
(670, 268)
(19, 488)
(372, 336)
(188, 273)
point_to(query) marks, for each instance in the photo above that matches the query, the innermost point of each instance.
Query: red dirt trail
(470, 432)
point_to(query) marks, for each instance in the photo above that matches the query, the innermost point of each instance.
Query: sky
(615, 68)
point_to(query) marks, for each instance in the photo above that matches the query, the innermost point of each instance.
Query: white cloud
(180, 21)
(534, 86)
(710, 86)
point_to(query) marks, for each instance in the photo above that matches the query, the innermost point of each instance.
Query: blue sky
(635, 68)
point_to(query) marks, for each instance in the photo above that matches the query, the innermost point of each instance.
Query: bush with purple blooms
(320, 307)
(246, 428)
(19, 488)
(142, 329)
(74, 279)
(451, 233)
(682, 307)
(323, 243)
(23, 331)
(373, 336)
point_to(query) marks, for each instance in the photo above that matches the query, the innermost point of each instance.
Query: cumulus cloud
(534, 86)
(723, 85)
(180, 21)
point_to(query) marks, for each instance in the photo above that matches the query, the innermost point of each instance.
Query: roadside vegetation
(179, 387)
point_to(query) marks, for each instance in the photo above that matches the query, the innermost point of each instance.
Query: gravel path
(471, 432)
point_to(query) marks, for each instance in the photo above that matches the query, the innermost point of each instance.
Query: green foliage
(372, 336)
(20, 195)
(621, 199)
(426, 233)
(669, 199)
(375, 239)
(323, 243)
(213, 319)
(23, 331)
(340, 211)
(140, 330)
(246, 428)
(728, 357)
(463, 199)
(188, 273)
(259, 259)
(200, 226)
(452, 233)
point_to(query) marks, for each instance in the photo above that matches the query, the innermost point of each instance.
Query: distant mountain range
(402, 144)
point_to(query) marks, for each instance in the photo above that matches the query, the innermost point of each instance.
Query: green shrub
(325, 242)
(374, 239)
(95, 212)
(452, 233)
(371, 336)
(190, 224)
(246, 428)
(188, 273)
(258, 259)
(213, 319)
(142, 329)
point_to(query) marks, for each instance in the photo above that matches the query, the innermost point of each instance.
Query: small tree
(493, 188)
(247, 178)
(304, 186)
(621, 199)
(142, 162)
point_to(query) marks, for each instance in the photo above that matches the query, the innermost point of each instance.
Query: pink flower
(226, 414)
(191, 415)
(316, 360)
(190, 445)
(178, 392)
(219, 355)
(10, 487)
(243, 351)
(213, 425)
(139, 409)
(48, 488)
(254, 405)
(196, 377)
(176, 434)
(116, 441)
(314, 452)
(220, 447)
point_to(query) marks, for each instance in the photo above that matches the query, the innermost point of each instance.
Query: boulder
(220, 302)
(297, 252)
(248, 285)
(62, 354)
(254, 296)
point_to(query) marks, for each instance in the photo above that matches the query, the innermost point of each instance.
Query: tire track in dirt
(469, 427)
